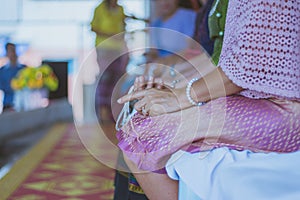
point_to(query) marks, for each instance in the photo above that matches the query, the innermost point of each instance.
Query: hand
(142, 83)
(155, 101)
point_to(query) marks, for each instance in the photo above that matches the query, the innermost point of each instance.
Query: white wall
(50, 24)
(9, 9)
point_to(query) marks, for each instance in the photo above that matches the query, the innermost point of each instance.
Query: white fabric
(224, 174)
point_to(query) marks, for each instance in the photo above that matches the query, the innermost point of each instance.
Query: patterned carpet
(58, 167)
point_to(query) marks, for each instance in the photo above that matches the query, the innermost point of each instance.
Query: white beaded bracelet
(188, 93)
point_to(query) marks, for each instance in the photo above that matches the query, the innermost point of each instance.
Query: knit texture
(261, 47)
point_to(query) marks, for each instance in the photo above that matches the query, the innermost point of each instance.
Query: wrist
(189, 91)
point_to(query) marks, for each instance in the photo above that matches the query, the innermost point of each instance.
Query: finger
(141, 83)
(159, 84)
(129, 97)
(147, 106)
(150, 82)
(142, 107)
(167, 84)
(146, 109)
(138, 106)
(135, 85)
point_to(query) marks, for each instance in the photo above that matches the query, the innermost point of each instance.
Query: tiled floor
(13, 149)
(60, 167)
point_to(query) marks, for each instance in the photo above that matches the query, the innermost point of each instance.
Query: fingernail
(119, 101)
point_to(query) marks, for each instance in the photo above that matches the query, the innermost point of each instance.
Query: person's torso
(109, 21)
(183, 23)
(7, 73)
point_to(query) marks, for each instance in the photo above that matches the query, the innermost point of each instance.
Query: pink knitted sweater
(261, 49)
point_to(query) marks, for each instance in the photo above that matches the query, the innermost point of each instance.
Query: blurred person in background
(7, 73)
(108, 21)
(170, 16)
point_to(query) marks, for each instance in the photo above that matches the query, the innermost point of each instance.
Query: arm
(188, 63)
(100, 33)
(213, 85)
(197, 66)
(98, 19)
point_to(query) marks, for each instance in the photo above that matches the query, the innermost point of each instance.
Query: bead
(188, 93)
(218, 15)
(221, 33)
(172, 71)
(175, 82)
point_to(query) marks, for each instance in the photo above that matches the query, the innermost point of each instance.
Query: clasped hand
(154, 97)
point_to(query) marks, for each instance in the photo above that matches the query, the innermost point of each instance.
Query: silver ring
(175, 82)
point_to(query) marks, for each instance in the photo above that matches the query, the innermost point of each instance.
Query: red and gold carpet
(58, 167)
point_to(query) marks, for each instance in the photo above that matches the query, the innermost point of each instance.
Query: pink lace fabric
(261, 49)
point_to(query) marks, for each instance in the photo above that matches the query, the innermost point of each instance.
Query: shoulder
(3, 70)
(3, 67)
(121, 10)
(120, 7)
(100, 7)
